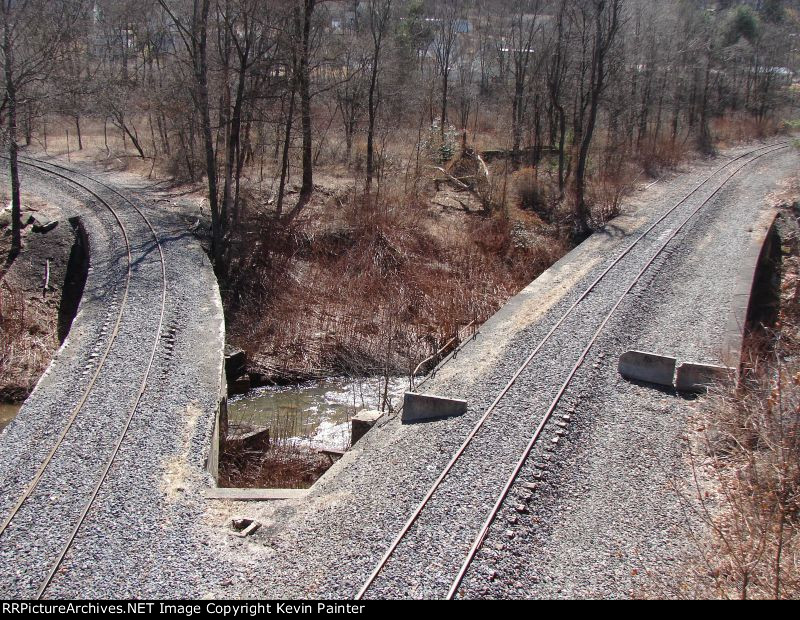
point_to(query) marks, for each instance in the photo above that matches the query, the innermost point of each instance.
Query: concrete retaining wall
(758, 247)
(220, 429)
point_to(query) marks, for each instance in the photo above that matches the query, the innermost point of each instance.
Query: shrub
(533, 194)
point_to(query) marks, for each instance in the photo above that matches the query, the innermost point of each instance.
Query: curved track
(458, 458)
(67, 174)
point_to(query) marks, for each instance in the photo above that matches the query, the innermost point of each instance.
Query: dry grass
(366, 288)
(27, 343)
(279, 467)
(28, 336)
(736, 128)
(752, 441)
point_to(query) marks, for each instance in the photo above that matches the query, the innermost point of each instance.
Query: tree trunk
(602, 45)
(11, 126)
(28, 125)
(445, 81)
(516, 116)
(126, 131)
(78, 131)
(372, 105)
(704, 140)
(305, 105)
(562, 139)
(201, 76)
(230, 207)
(287, 140)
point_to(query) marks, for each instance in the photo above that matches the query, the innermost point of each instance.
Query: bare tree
(447, 18)
(523, 28)
(379, 14)
(603, 17)
(556, 78)
(207, 86)
(193, 31)
(351, 91)
(304, 82)
(36, 34)
(247, 38)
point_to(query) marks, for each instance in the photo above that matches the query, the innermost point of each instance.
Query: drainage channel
(281, 440)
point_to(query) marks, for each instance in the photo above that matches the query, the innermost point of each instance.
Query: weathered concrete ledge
(220, 428)
(757, 249)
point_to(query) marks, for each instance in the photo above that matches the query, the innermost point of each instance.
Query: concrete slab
(699, 377)
(254, 441)
(361, 423)
(255, 495)
(647, 367)
(421, 407)
(243, 527)
(235, 362)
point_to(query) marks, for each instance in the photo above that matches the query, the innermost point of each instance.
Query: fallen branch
(453, 179)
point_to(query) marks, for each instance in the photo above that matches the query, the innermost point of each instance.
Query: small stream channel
(316, 413)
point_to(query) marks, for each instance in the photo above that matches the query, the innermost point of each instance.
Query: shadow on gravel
(667, 391)
(613, 231)
(150, 247)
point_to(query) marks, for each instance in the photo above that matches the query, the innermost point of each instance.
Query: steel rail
(87, 391)
(40, 472)
(478, 542)
(142, 388)
(477, 427)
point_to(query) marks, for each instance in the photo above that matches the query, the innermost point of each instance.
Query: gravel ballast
(139, 537)
(328, 544)
(595, 514)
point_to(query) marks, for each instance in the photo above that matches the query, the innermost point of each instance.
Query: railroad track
(412, 526)
(60, 445)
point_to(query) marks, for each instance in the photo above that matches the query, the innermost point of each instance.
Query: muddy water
(317, 412)
(7, 413)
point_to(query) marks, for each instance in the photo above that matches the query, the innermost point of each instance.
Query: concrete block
(647, 367)
(240, 385)
(42, 224)
(253, 441)
(235, 363)
(698, 377)
(361, 423)
(244, 527)
(420, 407)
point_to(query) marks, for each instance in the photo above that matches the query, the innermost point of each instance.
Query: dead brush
(535, 193)
(752, 456)
(25, 346)
(608, 188)
(279, 467)
(735, 128)
(661, 154)
(12, 326)
(382, 288)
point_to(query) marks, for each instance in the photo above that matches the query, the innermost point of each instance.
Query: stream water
(317, 413)
(7, 413)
